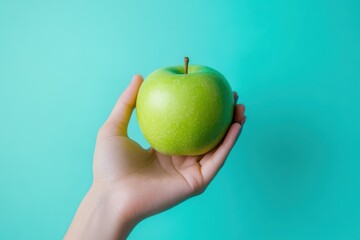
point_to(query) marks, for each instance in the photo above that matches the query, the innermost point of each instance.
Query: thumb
(121, 113)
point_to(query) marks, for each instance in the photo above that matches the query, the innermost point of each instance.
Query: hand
(143, 182)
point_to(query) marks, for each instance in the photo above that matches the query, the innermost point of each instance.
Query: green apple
(184, 110)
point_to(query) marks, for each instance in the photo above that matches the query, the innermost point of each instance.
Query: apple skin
(184, 114)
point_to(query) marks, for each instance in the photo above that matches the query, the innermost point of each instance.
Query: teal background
(295, 171)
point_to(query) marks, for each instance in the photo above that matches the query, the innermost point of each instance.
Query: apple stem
(186, 64)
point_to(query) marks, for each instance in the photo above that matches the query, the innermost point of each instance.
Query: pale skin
(131, 183)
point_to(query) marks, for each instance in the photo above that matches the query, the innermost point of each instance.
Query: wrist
(115, 207)
(100, 217)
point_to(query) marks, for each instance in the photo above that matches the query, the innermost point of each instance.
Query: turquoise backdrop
(295, 171)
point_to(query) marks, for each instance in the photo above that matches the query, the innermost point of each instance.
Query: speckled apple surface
(184, 114)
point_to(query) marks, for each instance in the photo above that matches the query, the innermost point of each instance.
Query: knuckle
(199, 190)
(102, 131)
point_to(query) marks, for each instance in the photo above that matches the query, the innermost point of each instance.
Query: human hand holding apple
(184, 110)
(131, 183)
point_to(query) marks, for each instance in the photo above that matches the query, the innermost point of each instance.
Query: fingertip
(242, 107)
(236, 97)
(135, 83)
(137, 78)
(243, 120)
(238, 113)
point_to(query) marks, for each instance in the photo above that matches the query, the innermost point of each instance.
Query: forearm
(97, 218)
